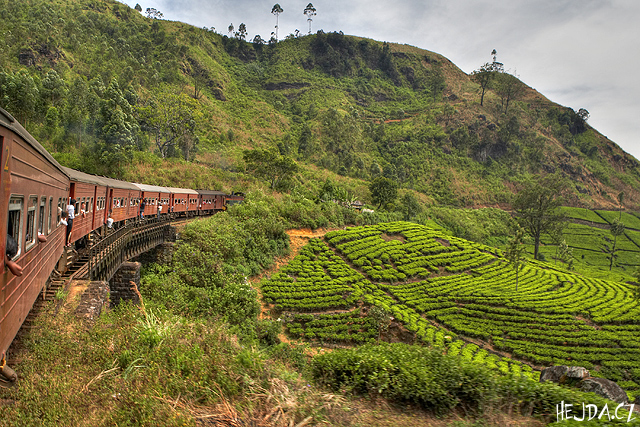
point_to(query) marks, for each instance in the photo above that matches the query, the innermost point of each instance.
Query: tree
(583, 114)
(258, 40)
(171, 119)
(515, 252)
(242, 32)
(617, 229)
(566, 254)
(620, 200)
(118, 128)
(508, 88)
(484, 76)
(277, 10)
(309, 11)
(154, 13)
(381, 319)
(410, 206)
(537, 207)
(231, 28)
(138, 7)
(270, 165)
(383, 191)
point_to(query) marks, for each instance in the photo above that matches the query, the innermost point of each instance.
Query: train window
(50, 215)
(30, 237)
(14, 228)
(43, 206)
(91, 205)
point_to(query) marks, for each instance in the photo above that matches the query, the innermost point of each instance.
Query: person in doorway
(159, 209)
(143, 205)
(71, 209)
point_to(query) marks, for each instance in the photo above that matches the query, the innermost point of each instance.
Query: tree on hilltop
(277, 10)
(537, 207)
(154, 13)
(508, 88)
(242, 32)
(309, 11)
(138, 7)
(484, 76)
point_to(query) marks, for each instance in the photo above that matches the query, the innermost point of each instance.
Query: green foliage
(515, 252)
(537, 205)
(274, 168)
(383, 191)
(427, 378)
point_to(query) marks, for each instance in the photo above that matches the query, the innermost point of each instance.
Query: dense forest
(111, 91)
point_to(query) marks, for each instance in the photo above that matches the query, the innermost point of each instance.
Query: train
(35, 191)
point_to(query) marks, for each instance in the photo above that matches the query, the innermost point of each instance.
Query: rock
(564, 374)
(605, 388)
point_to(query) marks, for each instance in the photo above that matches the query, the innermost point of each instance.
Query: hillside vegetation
(96, 82)
(460, 296)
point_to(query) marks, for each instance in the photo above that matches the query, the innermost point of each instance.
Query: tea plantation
(459, 296)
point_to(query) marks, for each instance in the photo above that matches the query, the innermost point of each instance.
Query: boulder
(564, 374)
(605, 388)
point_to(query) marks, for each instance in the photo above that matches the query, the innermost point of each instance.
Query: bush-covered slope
(96, 81)
(466, 297)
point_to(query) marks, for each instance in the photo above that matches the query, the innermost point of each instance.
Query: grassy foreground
(196, 353)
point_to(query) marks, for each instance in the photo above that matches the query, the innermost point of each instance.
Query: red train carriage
(233, 198)
(184, 202)
(154, 196)
(90, 194)
(210, 201)
(33, 186)
(123, 200)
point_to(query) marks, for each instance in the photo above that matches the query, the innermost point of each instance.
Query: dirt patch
(388, 237)
(443, 242)
(298, 238)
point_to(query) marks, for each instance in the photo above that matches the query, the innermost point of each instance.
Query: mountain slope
(357, 107)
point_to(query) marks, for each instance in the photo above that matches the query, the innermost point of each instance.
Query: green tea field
(460, 296)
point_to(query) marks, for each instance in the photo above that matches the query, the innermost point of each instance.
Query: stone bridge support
(124, 284)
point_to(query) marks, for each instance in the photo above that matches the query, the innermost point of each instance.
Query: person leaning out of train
(10, 252)
(159, 209)
(83, 212)
(71, 208)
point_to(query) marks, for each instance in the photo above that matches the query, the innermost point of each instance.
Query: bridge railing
(125, 243)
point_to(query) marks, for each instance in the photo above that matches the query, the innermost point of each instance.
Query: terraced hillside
(589, 232)
(461, 296)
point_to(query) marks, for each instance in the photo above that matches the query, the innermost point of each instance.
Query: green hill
(97, 82)
(458, 295)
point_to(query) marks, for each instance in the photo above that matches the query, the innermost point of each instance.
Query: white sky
(577, 53)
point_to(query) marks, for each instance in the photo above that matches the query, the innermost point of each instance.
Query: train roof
(181, 190)
(9, 122)
(78, 176)
(152, 188)
(116, 183)
(211, 193)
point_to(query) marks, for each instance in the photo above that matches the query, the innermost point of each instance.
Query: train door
(110, 202)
